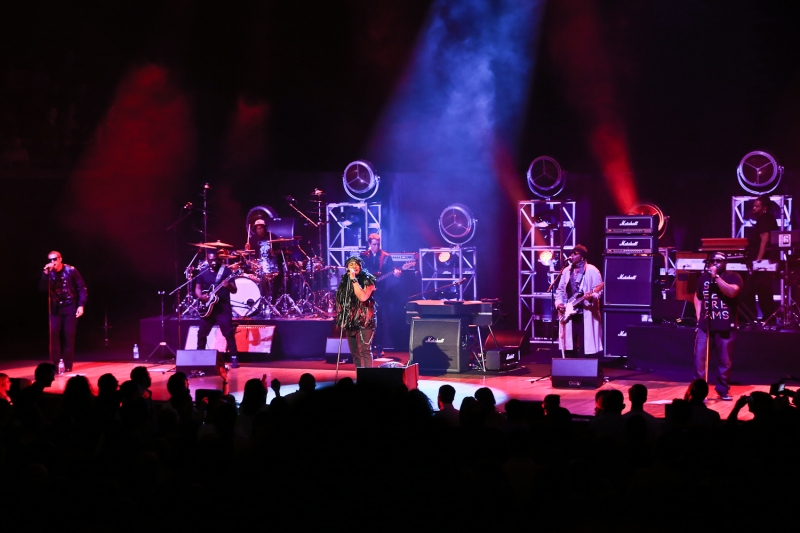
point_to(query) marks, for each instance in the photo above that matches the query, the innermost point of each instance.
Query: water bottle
(234, 362)
(60, 367)
(136, 351)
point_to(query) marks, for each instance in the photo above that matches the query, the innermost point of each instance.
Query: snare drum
(248, 296)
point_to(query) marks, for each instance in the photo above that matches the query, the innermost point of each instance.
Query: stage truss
(441, 268)
(546, 234)
(742, 205)
(348, 226)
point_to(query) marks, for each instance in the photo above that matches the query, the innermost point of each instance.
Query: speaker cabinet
(332, 351)
(629, 281)
(615, 324)
(195, 361)
(439, 345)
(576, 373)
(388, 377)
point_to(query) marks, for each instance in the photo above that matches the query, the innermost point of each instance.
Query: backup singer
(67, 295)
(356, 314)
(221, 313)
(582, 334)
(716, 304)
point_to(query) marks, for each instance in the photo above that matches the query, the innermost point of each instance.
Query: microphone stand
(552, 290)
(341, 326)
(459, 282)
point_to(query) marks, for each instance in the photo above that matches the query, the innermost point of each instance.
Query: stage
(529, 382)
(291, 338)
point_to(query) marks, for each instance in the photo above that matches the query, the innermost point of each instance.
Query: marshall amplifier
(631, 224)
(439, 345)
(631, 244)
(615, 329)
(628, 281)
(502, 359)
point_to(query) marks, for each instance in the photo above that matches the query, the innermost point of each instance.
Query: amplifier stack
(629, 266)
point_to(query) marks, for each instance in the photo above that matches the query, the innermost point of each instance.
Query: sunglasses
(51, 259)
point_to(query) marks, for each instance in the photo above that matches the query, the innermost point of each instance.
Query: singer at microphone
(356, 312)
(66, 294)
(716, 303)
(578, 302)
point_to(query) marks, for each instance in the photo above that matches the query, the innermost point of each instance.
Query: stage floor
(530, 381)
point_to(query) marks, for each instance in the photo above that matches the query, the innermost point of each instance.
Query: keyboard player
(760, 283)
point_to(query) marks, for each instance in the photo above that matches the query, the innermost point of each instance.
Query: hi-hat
(218, 244)
(200, 245)
(245, 252)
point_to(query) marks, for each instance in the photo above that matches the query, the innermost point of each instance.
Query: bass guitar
(205, 308)
(573, 305)
(410, 264)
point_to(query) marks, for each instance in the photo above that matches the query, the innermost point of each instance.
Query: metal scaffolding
(348, 226)
(546, 234)
(443, 269)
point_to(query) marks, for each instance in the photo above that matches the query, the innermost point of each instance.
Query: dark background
(267, 99)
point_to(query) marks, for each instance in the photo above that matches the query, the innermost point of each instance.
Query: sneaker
(725, 396)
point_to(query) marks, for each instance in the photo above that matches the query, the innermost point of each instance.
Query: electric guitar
(410, 264)
(573, 305)
(205, 308)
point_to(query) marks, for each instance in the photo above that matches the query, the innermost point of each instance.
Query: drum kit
(278, 280)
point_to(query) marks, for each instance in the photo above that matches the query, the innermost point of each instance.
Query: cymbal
(245, 252)
(200, 245)
(290, 239)
(218, 244)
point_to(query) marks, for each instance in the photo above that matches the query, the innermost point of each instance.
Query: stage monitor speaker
(502, 359)
(576, 373)
(388, 377)
(629, 281)
(332, 351)
(439, 345)
(195, 361)
(615, 329)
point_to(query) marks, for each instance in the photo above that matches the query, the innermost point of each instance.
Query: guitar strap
(219, 275)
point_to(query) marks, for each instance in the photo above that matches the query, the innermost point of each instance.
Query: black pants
(63, 323)
(759, 284)
(220, 316)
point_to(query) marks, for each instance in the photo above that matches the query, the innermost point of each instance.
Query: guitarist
(582, 335)
(221, 313)
(379, 262)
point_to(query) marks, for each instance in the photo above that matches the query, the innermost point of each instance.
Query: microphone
(188, 205)
(290, 199)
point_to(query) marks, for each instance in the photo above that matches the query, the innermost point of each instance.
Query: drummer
(259, 239)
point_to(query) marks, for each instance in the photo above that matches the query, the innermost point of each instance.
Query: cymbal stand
(285, 301)
(788, 312)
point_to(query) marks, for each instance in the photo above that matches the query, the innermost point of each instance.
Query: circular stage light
(759, 173)
(360, 180)
(545, 177)
(457, 224)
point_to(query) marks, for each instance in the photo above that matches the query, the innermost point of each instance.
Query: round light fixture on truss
(652, 210)
(759, 173)
(457, 224)
(545, 177)
(360, 180)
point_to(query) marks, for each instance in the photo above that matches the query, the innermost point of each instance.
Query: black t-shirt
(764, 224)
(723, 309)
(209, 278)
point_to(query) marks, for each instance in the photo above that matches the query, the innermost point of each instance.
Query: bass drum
(247, 300)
